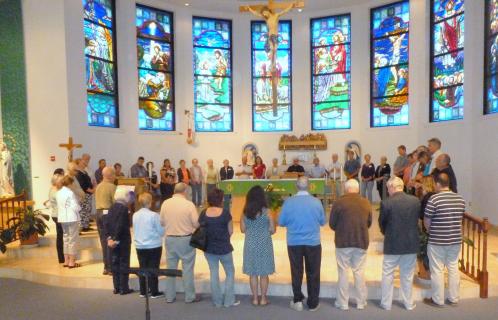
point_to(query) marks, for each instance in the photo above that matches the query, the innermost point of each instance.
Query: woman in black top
(117, 232)
(367, 178)
(183, 173)
(382, 174)
(219, 228)
(86, 204)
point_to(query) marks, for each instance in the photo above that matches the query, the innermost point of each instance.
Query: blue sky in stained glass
(390, 74)
(99, 11)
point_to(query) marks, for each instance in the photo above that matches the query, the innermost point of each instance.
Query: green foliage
(275, 200)
(26, 223)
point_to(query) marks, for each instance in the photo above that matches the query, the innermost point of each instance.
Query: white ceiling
(233, 5)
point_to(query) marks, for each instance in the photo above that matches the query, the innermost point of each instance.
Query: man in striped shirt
(443, 218)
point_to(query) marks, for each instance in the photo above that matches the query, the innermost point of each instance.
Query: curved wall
(475, 134)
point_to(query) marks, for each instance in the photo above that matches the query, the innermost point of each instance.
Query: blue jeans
(178, 248)
(197, 194)
(216, 294)
(366, 189)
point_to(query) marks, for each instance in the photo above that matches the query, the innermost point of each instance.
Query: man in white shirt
(180, 219)
(335, 174)
(244, 171)
(434, 146)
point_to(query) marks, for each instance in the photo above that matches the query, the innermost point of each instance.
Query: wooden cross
(70, 146)
(272, 16)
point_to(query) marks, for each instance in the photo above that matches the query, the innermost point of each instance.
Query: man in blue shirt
(352, 166)
(317, 170)
(303, 215)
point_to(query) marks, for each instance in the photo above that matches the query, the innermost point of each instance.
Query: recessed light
(299, 10)
(187, 4)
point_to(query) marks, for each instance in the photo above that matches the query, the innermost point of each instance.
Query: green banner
(282, 186)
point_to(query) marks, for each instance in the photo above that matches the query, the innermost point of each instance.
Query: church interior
(220, 80)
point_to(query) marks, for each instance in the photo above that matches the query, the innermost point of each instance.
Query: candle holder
(284, 161)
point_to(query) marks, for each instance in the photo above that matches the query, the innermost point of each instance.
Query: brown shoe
(430, 302)
(197, 299)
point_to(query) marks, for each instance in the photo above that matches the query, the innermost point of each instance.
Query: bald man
(104, 199)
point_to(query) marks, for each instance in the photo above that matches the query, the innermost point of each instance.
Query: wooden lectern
(138, 183)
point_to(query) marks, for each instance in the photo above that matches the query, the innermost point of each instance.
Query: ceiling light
(187, 4)
(299, 10)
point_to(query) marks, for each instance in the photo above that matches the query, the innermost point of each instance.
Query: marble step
(74, 279)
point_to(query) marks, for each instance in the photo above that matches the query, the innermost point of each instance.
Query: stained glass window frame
(114, 62)
(432, 90)
(373, 68)
(254, 77)
(171, 71)
(228, 76)
(313, 75)
(488, 35)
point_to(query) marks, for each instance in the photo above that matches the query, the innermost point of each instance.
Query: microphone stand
(148, 272)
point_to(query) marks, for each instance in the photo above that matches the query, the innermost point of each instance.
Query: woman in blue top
(258, 226)
(219, 228)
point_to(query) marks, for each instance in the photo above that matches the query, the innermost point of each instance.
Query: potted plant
(28, 224)
(275, 200)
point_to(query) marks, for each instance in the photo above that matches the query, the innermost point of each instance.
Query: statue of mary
(6, 172)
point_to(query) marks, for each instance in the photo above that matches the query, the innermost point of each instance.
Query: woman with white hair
(68, 216)
(117, 232)
(148, 234)
(51, 204)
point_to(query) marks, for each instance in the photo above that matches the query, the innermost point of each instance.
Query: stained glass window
(389, 37)
(491, 63)
(100, 62)
(156, 106)
(330, 72)
(265, 117)
(447, 23)
(212, 39)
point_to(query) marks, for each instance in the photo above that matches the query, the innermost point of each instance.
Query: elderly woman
(273, 172)
(211, 176)
(51, 204)
(68, 216)
(117, 231)
(367, 178)
(219, 228)
(148, 234)
(382, 174)
(86, 185)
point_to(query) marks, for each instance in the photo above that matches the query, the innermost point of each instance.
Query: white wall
(461, 139)
(46, 89)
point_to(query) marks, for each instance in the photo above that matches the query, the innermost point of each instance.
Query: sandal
(264, 303)
(255, 302)
(76, 265)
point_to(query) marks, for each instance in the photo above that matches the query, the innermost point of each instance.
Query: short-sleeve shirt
(400, 163)
(445, 210)
(218, 237)
(317, 171)
(351, 166)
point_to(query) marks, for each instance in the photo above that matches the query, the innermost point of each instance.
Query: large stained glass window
(265, 117)
(389, 33)
(212, 40)
(447, 24)
(156, 106)
(100, 60)
(491, 57)
(330, 73)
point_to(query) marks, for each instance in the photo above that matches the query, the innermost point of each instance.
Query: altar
(238, 189)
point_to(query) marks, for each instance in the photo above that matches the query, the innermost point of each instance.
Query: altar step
(40, 265)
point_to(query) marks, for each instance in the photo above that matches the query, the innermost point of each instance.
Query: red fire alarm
(52, 158)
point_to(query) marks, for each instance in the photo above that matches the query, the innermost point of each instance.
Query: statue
(272, 17)
(6, 172)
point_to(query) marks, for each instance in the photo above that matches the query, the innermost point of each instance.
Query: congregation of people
(418, 193)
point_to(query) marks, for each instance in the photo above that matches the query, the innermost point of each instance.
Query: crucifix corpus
(70, 146)
(271, 15)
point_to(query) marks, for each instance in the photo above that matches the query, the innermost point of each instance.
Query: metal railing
(9, 208)
(474, 254)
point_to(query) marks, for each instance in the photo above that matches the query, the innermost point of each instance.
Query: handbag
(198, 239)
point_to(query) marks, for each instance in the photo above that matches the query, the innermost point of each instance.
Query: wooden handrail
(9, 208)
(474, 254)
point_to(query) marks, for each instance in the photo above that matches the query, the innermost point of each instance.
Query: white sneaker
(384, 307)
(297, 306)
(361, 306)
(410, 308)
(343, 308)
(315, 308)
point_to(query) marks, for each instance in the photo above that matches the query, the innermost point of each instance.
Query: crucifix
(271, 15)
(70, 146)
